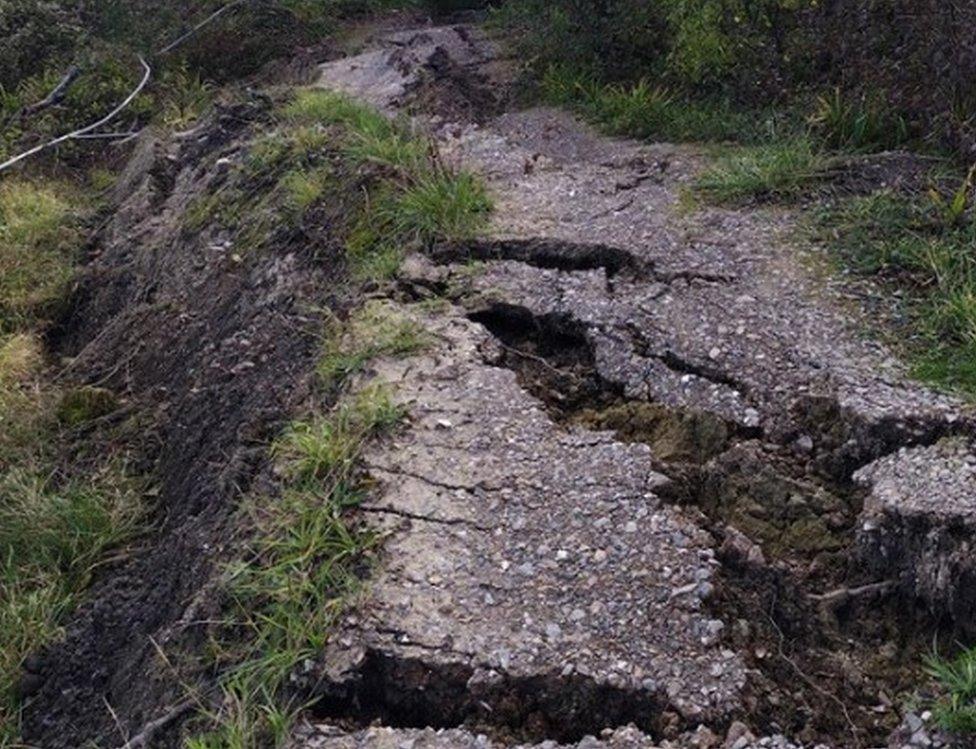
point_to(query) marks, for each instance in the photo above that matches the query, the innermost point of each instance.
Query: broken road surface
(540, 582)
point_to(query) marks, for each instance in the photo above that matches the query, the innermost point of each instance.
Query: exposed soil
(215, 349)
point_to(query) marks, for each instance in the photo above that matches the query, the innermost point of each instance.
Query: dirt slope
(547, 575)
(215, 349)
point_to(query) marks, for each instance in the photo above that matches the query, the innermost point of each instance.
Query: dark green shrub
(33, 32)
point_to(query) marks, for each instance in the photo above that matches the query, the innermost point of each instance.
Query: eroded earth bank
(656, 488)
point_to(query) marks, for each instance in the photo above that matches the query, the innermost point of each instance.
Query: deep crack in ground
(789, 587)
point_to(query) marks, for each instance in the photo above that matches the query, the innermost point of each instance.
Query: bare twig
(209, 19)
(142, 739)
(147, 73)
(56, 95)
(841, 595)
(107, 136)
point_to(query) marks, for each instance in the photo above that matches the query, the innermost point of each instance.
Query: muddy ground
(657, 488)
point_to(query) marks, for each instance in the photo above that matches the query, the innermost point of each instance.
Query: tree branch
(147, 73)
(209, 19)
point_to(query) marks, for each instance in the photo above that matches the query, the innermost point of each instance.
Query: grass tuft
(864, 124)
(913, 243)
(956, 710)
(54, 532)
(778, 171)
(304, 557)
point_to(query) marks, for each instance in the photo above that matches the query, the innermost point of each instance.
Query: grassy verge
(924, 246)
(335, 162)
(645, 111)
(305, 552)
(58, 523)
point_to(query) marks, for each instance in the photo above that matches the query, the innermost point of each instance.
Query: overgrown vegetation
(924, 244)
(305, 556)
(956, 710)
(42, 41)
(888, 73)
(58, 520)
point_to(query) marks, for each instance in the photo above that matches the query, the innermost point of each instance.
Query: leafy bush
(616, 39)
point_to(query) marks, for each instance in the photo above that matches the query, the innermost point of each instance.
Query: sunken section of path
(534, 581)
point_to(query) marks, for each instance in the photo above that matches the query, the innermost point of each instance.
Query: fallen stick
(56, 95)
(842, 595)
(147, 73)
(148, 732)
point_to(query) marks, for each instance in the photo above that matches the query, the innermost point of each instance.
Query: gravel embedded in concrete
(529, 569)
(919, 523)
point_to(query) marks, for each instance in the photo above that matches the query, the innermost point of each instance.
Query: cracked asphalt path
(527, 560)
(533, 580)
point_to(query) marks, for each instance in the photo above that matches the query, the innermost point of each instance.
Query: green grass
(36, 243)
(646, 111)
(435, 204)
(956, 678)
(298, 571)
(781, 170)
(374, 330)
(416, 200)
(912, 243)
